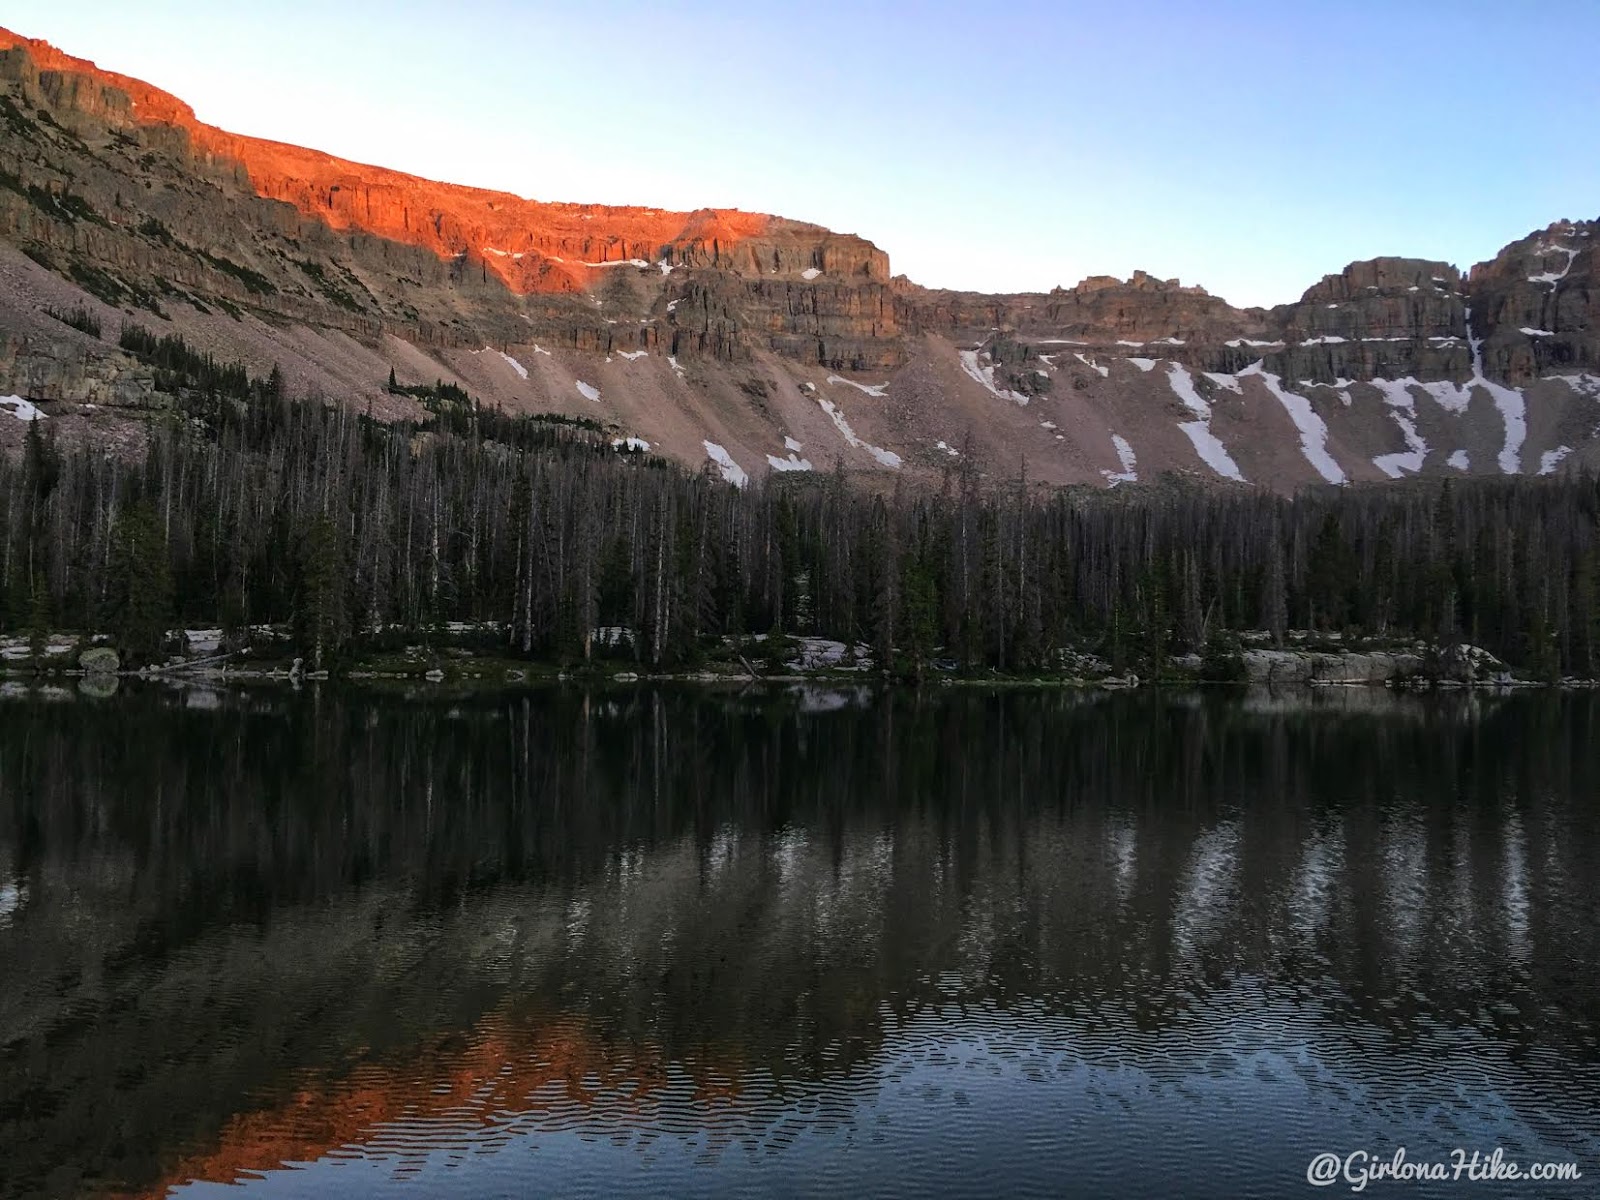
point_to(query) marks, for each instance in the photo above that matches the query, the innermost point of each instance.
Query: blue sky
(1250, 147)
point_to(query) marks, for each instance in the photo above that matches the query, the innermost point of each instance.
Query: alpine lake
(793, 941)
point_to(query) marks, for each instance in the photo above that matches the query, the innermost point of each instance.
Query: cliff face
(720, 328)
(1101, 312)
(361, 228)
(1385, 318)
(1538, 303)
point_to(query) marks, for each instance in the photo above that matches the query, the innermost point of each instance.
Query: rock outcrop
(1538, 304)
(1388, 318)
(381, 244)
(1312, 667)
(1101, 313)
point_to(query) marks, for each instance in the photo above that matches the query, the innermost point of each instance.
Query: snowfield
(22, 410)
(1206, 444)
(1313, 429)
(876, 390)
(732, 472)
(887, 457)
(1554, 277)
(984, 375)
(1397, 394)
(1125, 455)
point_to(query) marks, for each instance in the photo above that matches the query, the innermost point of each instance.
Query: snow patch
(514, 364)
(1093, 366)
(1206, 444)
(588, 391)
(1238, 342)
(1313, 429)
(793, 463)
(538, 349)
(633, 355)
(985, 378)
(1537, 332)
(1584, 385)
(1231, 382)
(1125, 455)
(1554, 277)
(887, 457)
(732, 472)
(1328, 340)
(948, 449)
(790, 444)
(22, 410)
(1512, 408)
(1397, 394)
(810, 273)
(630, 443)
(1144, 364)
(1459, 461)
(621, 262)
(1551, 459)
(876, 390)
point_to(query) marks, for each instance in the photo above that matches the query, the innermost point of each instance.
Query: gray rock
(1465, 663)
(1307, 666)
(100, 660)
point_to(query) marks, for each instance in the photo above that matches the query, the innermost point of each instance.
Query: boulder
(100, 660)
(1312, 667)
(1464, 663)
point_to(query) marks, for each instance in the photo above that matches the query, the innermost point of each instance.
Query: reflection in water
(684, 942)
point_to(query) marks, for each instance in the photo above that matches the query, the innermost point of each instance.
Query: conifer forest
(251, 508)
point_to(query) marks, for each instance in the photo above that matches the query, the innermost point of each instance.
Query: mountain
(746, 342)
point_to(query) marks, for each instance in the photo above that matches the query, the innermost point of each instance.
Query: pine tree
(321, 620)
(1330, 573)
(140, 591)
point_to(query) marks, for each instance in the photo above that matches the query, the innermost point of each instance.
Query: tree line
(251, 508)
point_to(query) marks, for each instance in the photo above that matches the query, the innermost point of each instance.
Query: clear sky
(1244, 145)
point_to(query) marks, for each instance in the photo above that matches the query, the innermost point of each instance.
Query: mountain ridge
(736, 328)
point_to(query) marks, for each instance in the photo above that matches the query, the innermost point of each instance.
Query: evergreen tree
(1330, 574)
(140, 585)
(321, 616)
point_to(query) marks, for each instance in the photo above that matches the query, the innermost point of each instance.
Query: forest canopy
(250, 508)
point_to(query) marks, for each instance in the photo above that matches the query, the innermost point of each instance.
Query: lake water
(792, 943)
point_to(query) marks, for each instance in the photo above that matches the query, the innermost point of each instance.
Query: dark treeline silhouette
(249, 508)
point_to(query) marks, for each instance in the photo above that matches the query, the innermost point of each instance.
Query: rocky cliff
(1538, 303)
(781, 344)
